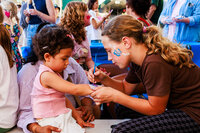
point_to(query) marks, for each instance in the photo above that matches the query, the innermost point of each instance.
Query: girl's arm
(97, 25)
(152, 9)
(76, 116)
(52, 80)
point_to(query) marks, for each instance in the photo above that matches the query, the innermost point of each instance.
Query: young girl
(10, 19)
(166, 70)
(54, 46)
(9, 92)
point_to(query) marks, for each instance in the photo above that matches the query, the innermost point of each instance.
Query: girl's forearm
(75, 114)
(82, 90)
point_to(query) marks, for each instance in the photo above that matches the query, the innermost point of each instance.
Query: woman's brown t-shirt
(160, 78)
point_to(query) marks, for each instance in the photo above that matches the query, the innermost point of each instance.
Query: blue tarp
(195, 47)
(102, 57)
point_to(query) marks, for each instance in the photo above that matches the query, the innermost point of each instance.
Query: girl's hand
(84, 124)
(98, 76)
(104, 95)
(46, 129)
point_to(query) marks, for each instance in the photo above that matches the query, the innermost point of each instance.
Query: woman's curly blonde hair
(126, 25)
(73, 20)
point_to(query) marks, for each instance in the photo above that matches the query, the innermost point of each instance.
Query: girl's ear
(126, 42)
(47, 57)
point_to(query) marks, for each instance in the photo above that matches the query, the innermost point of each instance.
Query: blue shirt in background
(184, 32)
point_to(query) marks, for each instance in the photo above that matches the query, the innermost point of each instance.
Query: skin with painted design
(117, 52)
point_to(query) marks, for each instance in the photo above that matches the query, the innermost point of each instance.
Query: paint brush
(95, 59)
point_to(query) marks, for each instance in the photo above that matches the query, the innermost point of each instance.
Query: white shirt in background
(9, 92)
(92, 33)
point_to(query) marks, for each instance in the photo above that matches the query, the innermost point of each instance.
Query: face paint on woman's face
(117, 52)
(126, 54)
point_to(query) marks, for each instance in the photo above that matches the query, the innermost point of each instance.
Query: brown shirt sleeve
(157, 78)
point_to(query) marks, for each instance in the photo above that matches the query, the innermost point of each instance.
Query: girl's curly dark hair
(51, 40)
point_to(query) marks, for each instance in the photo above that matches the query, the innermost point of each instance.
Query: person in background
(155, 10)
(18, 10)
(57, 8)
(26, 77)
(9, 92)
(165, 68)
(94, 29)
(139, 9)
(37, 11)
(10, 19)
(23, 24)
(75, 18)
(181, 18)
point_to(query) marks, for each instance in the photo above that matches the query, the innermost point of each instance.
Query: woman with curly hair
(75, 18)
(166, 70)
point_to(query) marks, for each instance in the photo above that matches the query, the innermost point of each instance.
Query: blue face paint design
(117, 52)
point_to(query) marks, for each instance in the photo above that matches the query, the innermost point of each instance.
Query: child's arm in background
(77, 116)
(52, 80)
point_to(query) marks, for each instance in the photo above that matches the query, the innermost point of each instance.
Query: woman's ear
(126, 41)
(47, 57)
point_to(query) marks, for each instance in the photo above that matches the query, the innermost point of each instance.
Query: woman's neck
(139, 54)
